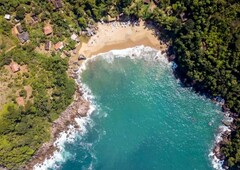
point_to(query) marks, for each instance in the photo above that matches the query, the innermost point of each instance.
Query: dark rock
(81, 57)
(171, 57)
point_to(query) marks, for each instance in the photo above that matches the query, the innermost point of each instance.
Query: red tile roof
(59, 46)
(47, 30)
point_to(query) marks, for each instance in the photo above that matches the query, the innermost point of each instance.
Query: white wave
(216, 162)
(138, 52)
(69, 136)
(58, 155)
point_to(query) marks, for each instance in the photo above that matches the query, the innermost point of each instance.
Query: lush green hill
(24, 129)
(204, 35)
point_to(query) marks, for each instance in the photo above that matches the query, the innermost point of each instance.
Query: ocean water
(143, 119)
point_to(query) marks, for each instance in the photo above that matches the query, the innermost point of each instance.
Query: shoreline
(128, 36)
(78, 108)
(100, 43)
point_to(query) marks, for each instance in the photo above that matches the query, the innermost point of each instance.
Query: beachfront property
(74, 37)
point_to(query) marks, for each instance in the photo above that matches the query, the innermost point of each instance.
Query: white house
(7, 16)
(74, 37)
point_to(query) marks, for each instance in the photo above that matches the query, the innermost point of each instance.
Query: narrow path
(10, 49)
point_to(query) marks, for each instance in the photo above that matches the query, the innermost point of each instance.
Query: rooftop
(59, 46)
(23, 37)
(7, 16)
(48, 45)
(47, 30)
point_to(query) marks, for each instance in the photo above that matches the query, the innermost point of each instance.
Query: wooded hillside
(204, 37)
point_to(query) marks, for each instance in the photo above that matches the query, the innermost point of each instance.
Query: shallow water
(143, 119)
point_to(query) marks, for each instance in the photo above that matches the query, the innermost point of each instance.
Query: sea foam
(139, 52)
(69, 136)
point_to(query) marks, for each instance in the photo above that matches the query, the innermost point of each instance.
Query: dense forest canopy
(204, 35)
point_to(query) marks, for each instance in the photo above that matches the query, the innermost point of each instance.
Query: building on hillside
(34, 17)
(48, 45)
(59, 46)
(14, 67)
(7, 16)
(74, 37)
(23, 37)
(19, 28)
(47, 30)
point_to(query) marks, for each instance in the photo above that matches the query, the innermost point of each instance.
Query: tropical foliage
(204, 35)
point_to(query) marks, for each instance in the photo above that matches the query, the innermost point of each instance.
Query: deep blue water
(144, 120)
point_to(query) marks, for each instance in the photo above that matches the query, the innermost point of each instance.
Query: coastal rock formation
(78, 108)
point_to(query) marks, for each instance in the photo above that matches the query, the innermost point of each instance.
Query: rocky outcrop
(78, 108)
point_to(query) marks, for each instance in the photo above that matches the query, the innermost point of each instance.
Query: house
(58, 4)
(74, 37)
(59, 46)
(48, 45)
(146, 1)
(47, 30)
(23, 37)
(34, 17)
(14, 67)
(7, 16)
(19, 28)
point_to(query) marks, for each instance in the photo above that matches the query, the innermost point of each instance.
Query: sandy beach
(117, 35)
(109, 36)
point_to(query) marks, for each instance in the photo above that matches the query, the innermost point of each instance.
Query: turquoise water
(144, 119)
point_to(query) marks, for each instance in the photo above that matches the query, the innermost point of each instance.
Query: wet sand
(108, 37)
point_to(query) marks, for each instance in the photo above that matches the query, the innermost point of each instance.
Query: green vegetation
(204, 35)
(24, 129)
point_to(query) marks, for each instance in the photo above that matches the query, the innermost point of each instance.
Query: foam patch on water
(64, 137)
(138, 52)
(69, 136)
(216, 162)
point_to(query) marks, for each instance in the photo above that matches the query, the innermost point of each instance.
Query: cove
(143, 119)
